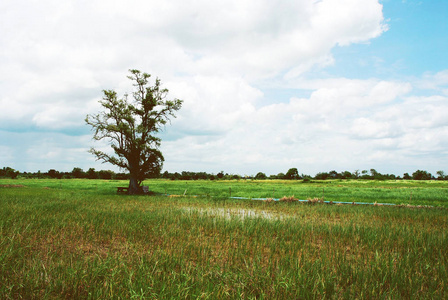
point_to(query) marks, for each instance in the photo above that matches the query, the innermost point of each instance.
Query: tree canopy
(130, 126)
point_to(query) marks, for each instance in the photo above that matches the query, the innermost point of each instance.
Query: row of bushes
(372, 175)
(75, 173)
(292, 174)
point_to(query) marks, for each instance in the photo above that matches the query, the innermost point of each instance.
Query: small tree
(130, 126)
(421, 175)
(91, 174)
(281, 175)
(442, 175)
(406, 176)
(9, 172)
(78, 173)
(54, 174)
(292, 173)
(322, 176)
(106, 174)
(260, 176)
(333, 174)
(346, 175)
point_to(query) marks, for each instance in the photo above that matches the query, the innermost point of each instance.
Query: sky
(267, 85)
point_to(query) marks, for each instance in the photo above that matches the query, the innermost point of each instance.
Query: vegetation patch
(11, 186)
(81, 240)
(288, 199)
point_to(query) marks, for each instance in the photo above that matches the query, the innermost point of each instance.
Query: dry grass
(288, 199)
(11, 186)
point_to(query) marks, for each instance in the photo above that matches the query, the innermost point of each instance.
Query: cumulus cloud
(57, 48)
(437, 81)
(214, 104)
(219, 57)
(343, 124)
(60, 52)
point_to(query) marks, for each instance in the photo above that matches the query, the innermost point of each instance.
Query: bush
(260, 176)
(421, 175)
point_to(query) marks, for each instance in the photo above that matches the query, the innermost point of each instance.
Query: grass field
(432, 193)
(78, 239)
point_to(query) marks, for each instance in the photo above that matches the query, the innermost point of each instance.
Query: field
(79, 239)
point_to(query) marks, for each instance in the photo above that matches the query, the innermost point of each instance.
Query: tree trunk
(134, 187)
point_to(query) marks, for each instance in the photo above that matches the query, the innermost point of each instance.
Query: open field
(432, 193)
(78, 239)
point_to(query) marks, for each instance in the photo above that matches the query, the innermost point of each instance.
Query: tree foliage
(421, 175)
(292, 173)
(186, 175)
(9, 172)
(260, 176)
(130, 126)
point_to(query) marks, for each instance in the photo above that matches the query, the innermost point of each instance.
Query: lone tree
(130, 125)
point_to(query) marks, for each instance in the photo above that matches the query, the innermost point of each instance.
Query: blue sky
(267, 85)
(413, 45)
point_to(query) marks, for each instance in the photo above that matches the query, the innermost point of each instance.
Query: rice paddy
(79, 239)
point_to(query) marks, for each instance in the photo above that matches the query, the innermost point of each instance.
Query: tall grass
(70, 243)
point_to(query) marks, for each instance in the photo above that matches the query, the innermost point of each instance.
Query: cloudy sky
(267, 85)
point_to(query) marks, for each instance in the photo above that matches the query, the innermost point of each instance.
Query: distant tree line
(54, 174)
(291, 174)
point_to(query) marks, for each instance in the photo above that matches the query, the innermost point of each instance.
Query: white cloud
(437, 81)
(214, 104)
(57, 56)
(345, 22)
(53, 51)
(345, 123)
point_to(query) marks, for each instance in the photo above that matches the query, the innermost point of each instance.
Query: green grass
(432, 193)
(78, 239)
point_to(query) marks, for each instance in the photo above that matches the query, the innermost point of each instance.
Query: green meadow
(78, 239)
(425, 192)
